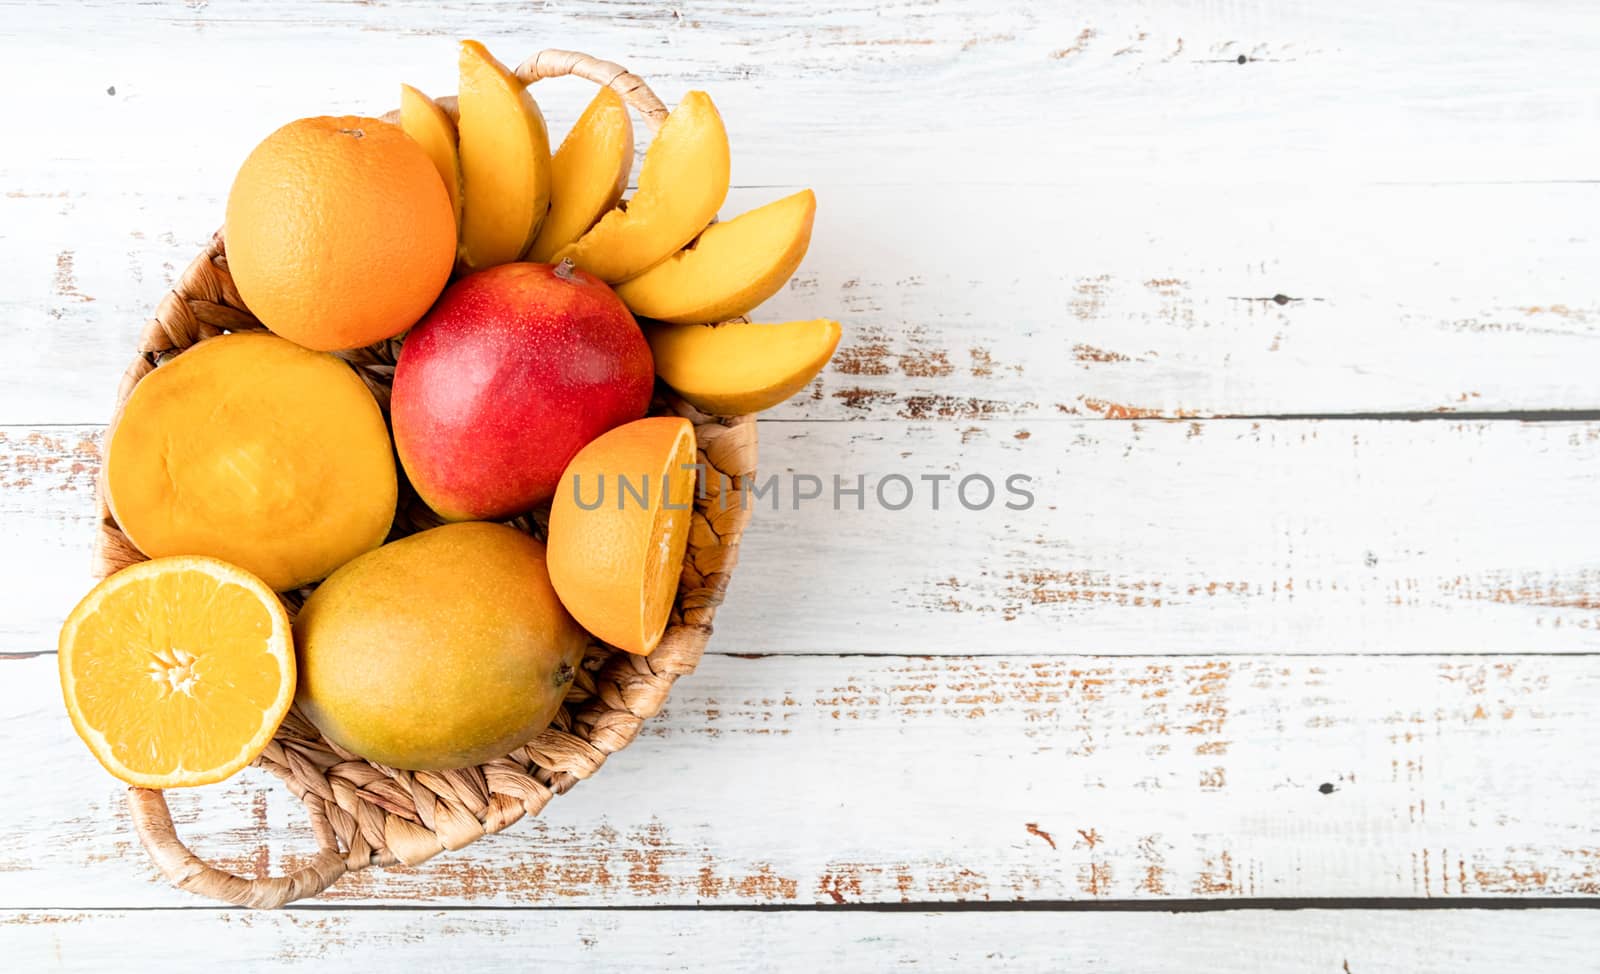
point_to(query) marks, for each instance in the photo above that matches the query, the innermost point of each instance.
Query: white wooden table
(1292, 310)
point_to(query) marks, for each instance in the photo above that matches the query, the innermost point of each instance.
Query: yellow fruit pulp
(588, 174)
(730, 268)
(426, 122)
(254, 450)
(669, 531)
(177, 671)
(616, 565)
(682, 184)
(505, 161)
(741, 367)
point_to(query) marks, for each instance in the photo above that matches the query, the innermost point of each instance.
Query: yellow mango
(739, 367)
(682, 184)
(443, 649)
(588, 174)
(505, 162)
(432, 129)
(730, 268)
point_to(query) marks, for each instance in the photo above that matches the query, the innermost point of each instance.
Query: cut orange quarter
(177, 671)
(619, 525)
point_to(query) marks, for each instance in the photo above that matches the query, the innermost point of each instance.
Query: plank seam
(1474, 655)
(1238, 905)
(1512, 416)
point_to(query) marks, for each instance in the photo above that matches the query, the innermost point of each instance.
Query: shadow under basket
(365, 814)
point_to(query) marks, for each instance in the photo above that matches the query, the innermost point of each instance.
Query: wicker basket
(365, 814)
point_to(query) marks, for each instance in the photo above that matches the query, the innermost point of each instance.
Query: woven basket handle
(554, 63)
(185, 870)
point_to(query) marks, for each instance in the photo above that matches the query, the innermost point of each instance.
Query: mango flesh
(588, 174)
(730, 268)
(423, 120)
(740, 367)
(505, 161)
(682, 184)
(445, 649)
(251, 449)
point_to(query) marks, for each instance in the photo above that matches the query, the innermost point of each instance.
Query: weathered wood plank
(1088, 90)
(795, 780)
(1302, 942)
(1114, 206)
(1144, 537)
(1163, 306)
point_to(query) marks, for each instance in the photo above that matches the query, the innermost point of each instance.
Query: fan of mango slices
(690, 280)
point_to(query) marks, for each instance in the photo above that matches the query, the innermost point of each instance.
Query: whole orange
(339, 232)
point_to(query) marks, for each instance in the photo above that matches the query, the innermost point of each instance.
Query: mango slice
(730, 268)
(251, 449)
(739, 367)
(427, 123)
(505, 162)
(588, 174)
(682, 183)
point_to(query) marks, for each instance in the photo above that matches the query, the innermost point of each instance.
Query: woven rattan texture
(365, 814)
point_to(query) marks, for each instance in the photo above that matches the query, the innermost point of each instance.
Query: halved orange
(619, 526)
(177, 671)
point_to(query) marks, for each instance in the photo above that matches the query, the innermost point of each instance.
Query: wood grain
(1099, 219)
(1302, 942)
(836, 780)
(1035, 217)
(1144, 537)
(827, 90)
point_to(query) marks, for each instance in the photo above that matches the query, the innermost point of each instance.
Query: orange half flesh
(670, 533)
(177, 671)
(615, 561)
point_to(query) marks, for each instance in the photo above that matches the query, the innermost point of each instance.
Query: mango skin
(251, 449)
(740, 367)
(505, 162)
(730, 268)
(442, 650)
(511, 373)
(588, 174)
(427, 123)
(682, 184)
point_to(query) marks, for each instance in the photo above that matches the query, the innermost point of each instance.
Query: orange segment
(619, 525)
(177, 671)
(669, 529)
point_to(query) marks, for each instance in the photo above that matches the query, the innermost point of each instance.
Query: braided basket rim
(364, 814)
